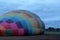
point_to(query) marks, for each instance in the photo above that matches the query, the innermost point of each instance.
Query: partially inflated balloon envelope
(20, 22)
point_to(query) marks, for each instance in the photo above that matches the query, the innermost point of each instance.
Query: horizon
(47, 10)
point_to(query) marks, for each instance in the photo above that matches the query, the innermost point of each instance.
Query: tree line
(53, 29)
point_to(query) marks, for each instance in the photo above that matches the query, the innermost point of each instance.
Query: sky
(47, 10)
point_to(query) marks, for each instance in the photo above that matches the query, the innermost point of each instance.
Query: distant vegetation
(51, 29)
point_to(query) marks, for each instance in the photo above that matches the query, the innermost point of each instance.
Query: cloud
(47, 10)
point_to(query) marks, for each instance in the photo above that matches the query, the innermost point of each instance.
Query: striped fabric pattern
(20, 22)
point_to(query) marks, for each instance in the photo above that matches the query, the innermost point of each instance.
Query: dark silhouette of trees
(58, 29)
(51, 29)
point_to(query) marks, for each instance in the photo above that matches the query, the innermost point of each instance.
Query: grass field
(37, 37)
(52, 32)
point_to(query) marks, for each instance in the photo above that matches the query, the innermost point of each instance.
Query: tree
(58, 29)
(51, 29)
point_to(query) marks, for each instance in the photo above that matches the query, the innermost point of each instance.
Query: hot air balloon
(21, 22)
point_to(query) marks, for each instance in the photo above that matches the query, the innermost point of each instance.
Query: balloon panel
(20, 22)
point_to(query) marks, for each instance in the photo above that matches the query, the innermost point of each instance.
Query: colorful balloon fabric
(20, 22)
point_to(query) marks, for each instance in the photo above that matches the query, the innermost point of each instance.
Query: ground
(52, 33)
(46, 36)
